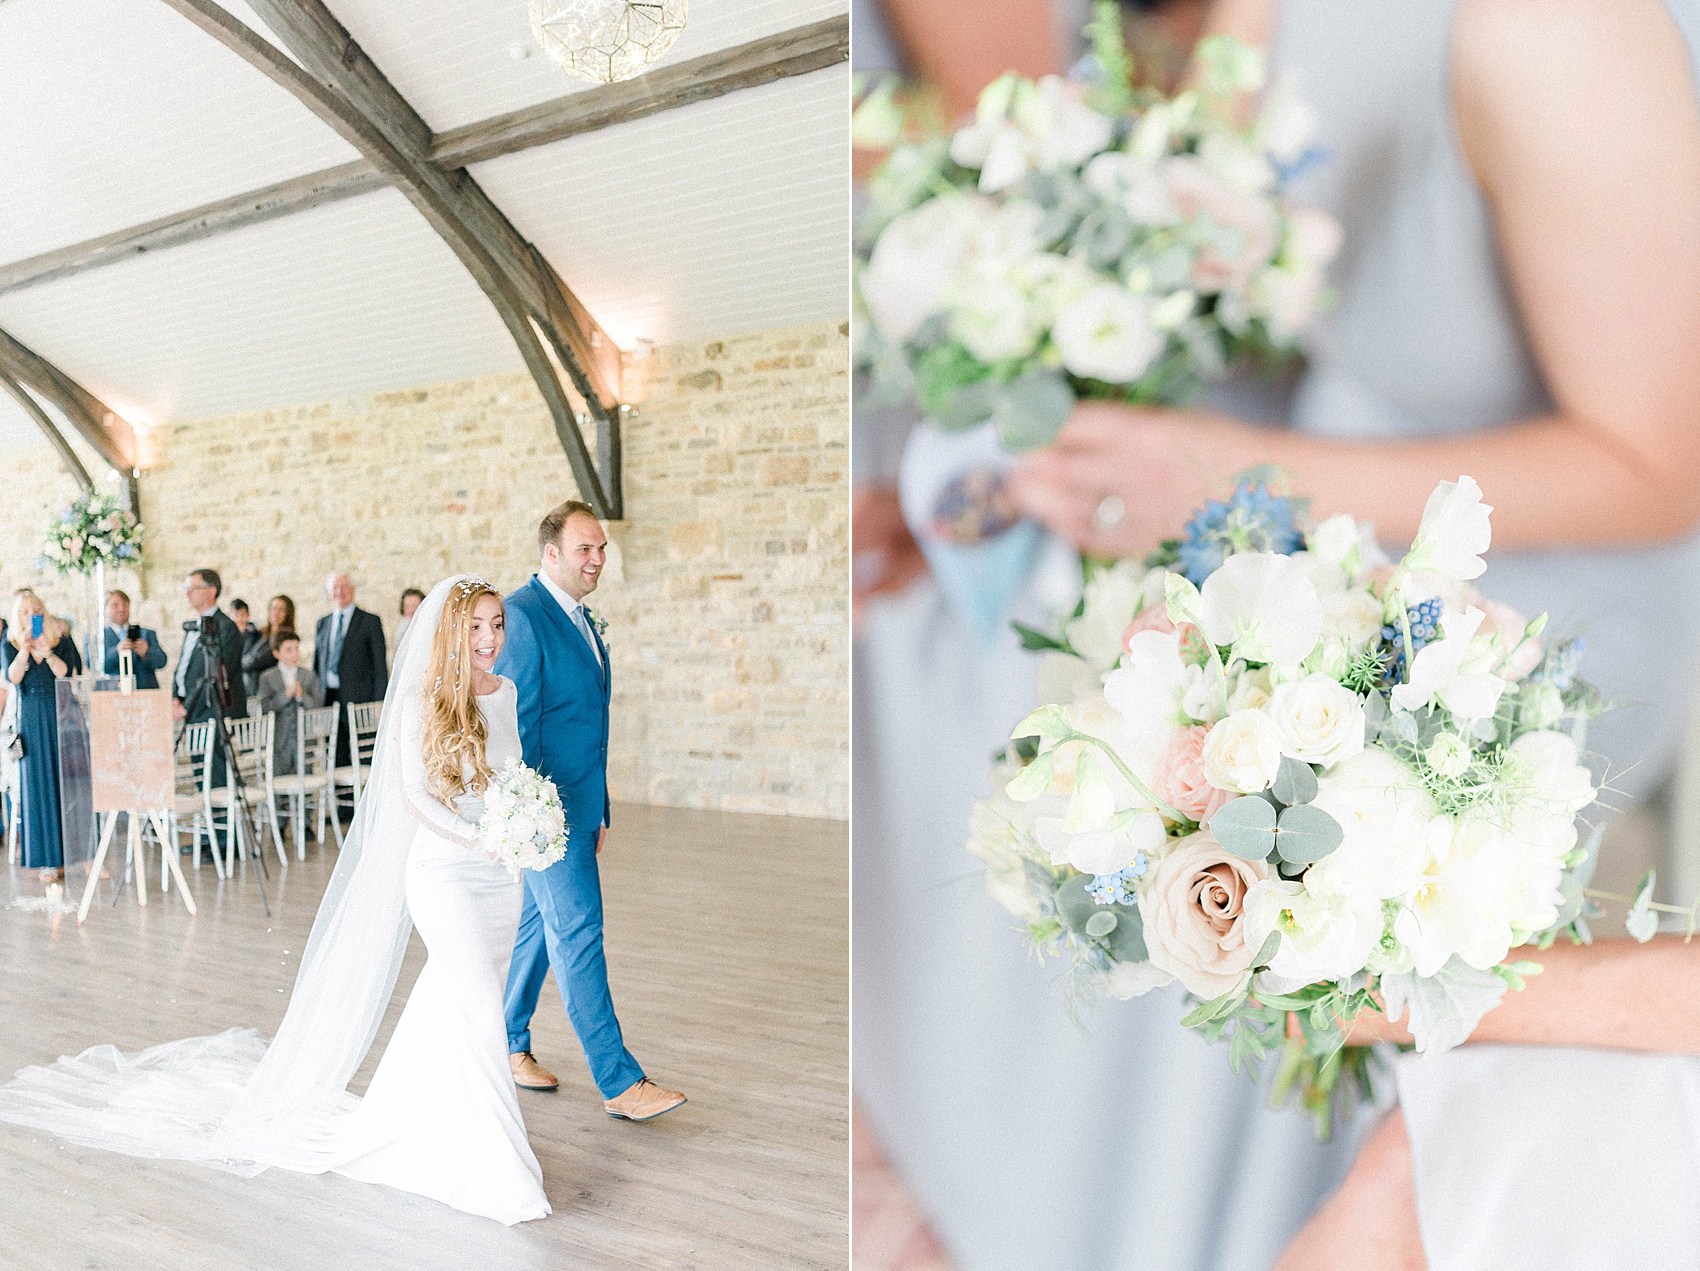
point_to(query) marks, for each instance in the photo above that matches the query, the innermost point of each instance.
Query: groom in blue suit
(555, 657)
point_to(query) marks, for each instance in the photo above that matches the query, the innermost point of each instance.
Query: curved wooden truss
(24, 372)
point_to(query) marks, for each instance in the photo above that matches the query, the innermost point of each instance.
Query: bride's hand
(1161, 464)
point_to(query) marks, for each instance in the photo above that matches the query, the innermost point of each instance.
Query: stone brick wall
(726, 600)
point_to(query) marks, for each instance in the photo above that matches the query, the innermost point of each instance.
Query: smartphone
(35, 626)
(133, 632)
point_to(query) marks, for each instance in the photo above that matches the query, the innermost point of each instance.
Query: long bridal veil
(230, 1100)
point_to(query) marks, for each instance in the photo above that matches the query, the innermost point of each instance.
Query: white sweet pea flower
(1134, 184)
(1019, 126)
(915, 263)
(1125, 980)
(1103, 849)
(1326, 935)
(1438, 672)
(1454, 532)
(1064, 679)
(1252, 688)
(1320, 720)
(1263, 605)
(1243, 753)
(1464, 900)
(1107, 335)
(1112, 595)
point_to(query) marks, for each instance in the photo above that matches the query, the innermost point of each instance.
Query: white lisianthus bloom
(1320, 720)
(1454, 532)
(1536, 843)
(915, 262)
(1111, 597)
(1546, 771)
(1263, 605)
(1051, 283)
(1384, 813)
(1107, 335)
(1324, 936)
(990, 317)
(1243, 753)
(1464, 899)
(1438, 673)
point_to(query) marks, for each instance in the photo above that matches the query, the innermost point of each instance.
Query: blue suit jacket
(563, 702)
(144, 668)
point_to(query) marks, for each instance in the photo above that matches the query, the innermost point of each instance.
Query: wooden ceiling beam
(813, 47)
(21, 369)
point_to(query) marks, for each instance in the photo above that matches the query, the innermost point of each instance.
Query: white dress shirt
(570, 606)
(344, 616)
(189, 643)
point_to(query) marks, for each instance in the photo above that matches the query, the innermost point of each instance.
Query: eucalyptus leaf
(1375, 715)
(1590, 855)
(1101, 924)
(1266, 954)
(964, 407)
(1104, 235)
(1295, 783)
(1075, 905)
(1306, 834)
(1569, 900)
(1245, 826)
(1127, 941)
(1402, 725)
(1031, 410)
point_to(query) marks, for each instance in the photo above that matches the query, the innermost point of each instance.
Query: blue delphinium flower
(1425, 625)
(1117, 889)
(1252, 520)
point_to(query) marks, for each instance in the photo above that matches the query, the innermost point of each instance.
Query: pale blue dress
(1125, 1142)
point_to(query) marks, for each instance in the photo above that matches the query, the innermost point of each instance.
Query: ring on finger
(1109, 513)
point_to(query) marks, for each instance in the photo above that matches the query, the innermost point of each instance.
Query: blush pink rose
(1154, 617)
(1196, 191)
(1180, 778)
(1194, 912)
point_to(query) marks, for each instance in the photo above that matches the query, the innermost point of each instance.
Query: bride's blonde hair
(454, 732)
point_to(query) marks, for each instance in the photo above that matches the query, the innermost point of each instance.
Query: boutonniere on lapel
(599, 622)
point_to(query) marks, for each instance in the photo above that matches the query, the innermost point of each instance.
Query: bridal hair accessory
(1303, 780)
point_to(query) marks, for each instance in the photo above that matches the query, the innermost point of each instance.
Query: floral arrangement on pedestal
(94, 530)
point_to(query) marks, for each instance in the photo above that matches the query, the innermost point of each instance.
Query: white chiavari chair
(313, 780)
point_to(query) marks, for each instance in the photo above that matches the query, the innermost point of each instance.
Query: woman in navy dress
(32, 667)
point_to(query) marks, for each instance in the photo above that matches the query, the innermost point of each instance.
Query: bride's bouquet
(523, 826)
(1087, 240)
(1301, 779)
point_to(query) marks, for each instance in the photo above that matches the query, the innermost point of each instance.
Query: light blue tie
(583, 626)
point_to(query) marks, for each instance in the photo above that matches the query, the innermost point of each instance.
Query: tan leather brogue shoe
(642, 1101)
(529, 1074)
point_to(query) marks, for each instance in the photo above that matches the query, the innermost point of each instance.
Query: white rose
(1107, 335)
(1327, 936)
(1264, 606)
(1193, 914)
(1243, 752)
(1320, 720)
(915, 262)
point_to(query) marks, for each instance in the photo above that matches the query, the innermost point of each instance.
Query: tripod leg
(94, 870)
(170, 843)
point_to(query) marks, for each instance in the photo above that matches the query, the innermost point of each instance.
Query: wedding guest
(201, 589)
(253, 639)
(287, 689)
(39, 652)
(259, 658)
(147, 654)
(409, 602)
(348, 654)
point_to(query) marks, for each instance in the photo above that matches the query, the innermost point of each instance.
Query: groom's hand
(601, 834)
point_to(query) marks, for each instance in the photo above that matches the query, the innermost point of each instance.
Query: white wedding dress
(440, 1117)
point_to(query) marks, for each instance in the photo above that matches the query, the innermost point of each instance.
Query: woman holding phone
(39, 651)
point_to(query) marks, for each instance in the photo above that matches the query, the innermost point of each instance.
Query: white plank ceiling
(726, 216)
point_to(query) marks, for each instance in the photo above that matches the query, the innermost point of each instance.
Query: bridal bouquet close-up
(1086, 240)
(523, 826)
(1302, 780)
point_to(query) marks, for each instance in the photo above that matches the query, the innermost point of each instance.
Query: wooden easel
(110, 800)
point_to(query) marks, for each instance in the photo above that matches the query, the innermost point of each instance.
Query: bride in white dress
(440, 1117)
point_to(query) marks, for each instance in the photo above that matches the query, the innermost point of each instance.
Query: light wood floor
(728, 954)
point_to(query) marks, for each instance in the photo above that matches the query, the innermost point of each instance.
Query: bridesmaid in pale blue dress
(1519, 299)
(33, 669)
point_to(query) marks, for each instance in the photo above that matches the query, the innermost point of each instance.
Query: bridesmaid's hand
(1161, 464)
(885, 557)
